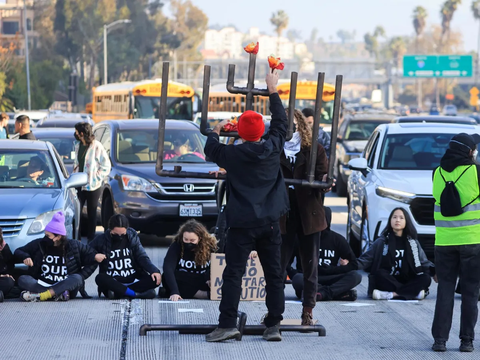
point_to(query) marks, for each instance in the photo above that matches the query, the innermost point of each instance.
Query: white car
(395, 170)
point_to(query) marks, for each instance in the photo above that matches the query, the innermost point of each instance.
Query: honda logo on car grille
(189, 188)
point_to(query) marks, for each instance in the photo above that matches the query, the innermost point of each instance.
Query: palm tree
(280, 21)
(476, 14)
(419, 22)
(379, 31)
(447, 11)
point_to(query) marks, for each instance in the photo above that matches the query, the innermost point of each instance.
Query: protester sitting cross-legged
(58, 266)
(186, 268)
(337, 265)
(396, 262)
(7, 282)
(125, 268)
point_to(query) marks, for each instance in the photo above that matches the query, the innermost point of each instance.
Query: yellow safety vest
(463, 229)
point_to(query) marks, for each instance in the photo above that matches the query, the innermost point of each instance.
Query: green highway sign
(437, 66)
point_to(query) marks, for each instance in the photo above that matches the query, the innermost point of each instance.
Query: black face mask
(76, 137)
(48, 241)
(189, 246)
(116, 237)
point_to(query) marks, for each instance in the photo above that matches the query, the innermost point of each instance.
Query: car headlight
(38, 225)
(135, 183)
(397, 195)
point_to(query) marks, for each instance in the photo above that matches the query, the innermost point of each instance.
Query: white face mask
(474, 154)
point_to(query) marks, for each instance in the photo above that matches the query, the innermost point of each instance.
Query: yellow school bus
(141, 100)
(221, 100)
(306, 94)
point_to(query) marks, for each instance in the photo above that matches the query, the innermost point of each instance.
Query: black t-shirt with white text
(399, 255)
(120, 264)
(53, 268)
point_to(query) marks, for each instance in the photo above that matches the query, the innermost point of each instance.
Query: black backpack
(450, 203)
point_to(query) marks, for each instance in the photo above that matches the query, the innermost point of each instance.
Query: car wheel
(366, 242)
(351, 239)
(107, 210)
(341, 185)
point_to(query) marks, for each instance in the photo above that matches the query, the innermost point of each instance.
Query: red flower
(231, 126)
(251, 48)
(275, 63)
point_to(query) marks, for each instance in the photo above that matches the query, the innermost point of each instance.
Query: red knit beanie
(251, 126)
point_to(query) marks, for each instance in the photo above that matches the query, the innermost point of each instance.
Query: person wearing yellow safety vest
(457, 239)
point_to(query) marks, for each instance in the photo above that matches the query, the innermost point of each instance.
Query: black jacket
(80, 258)
(334, 246)
(140, 261)
(6, 261)
(256, 191)
(27, 136)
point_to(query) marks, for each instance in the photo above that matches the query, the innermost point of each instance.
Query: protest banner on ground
(253, 282)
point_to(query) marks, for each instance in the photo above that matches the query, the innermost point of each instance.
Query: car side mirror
(76, 180)
(359, 164)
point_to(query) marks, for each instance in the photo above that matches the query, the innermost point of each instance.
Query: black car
(63, 140)
(154, 204)
(353, 135)
(59, 122)
(437, 119)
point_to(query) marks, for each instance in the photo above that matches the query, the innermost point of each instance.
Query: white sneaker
(421, 295)
(381, 295)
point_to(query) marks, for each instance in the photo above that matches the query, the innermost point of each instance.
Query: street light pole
(106, 29)
(105, 70)
(27, 62)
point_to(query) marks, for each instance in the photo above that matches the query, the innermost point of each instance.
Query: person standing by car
(22, 127)
(125, 268)
(457, 242)
(58, 267)
(186, 268)
(92, 159)
(257, 198)
(306, 218)
(7, 282)
(396, 262)
(323, 137)
(4, 126)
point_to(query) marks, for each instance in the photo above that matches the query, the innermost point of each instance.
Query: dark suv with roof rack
(154, 204)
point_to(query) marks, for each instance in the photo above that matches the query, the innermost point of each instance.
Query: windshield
(64, 146)
(140, 146)
(27, 169)
(413, 151)
(360, 130)
(177, 108)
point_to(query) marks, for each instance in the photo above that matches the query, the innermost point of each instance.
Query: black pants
(409, 289)
(91, 197)
(331, 286)
(106, 282)
(308, 248)
(72, 284)
(267, 241)
(189, 284)
(451, 262)
(6, 285)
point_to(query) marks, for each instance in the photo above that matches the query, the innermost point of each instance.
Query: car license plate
(191, 210)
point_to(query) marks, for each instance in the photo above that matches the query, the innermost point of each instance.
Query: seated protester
(396, 262)
(186, 268)
(7, 282)
(125, 268)
(337, 265)
(58, 266)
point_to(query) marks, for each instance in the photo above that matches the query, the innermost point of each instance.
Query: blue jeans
(71, 284)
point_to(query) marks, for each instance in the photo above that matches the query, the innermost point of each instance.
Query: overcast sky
(328, 16)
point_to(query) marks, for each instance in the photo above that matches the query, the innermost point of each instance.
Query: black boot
(149, 294)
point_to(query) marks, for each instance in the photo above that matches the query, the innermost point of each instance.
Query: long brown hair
(207, 244)
(303, 128)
